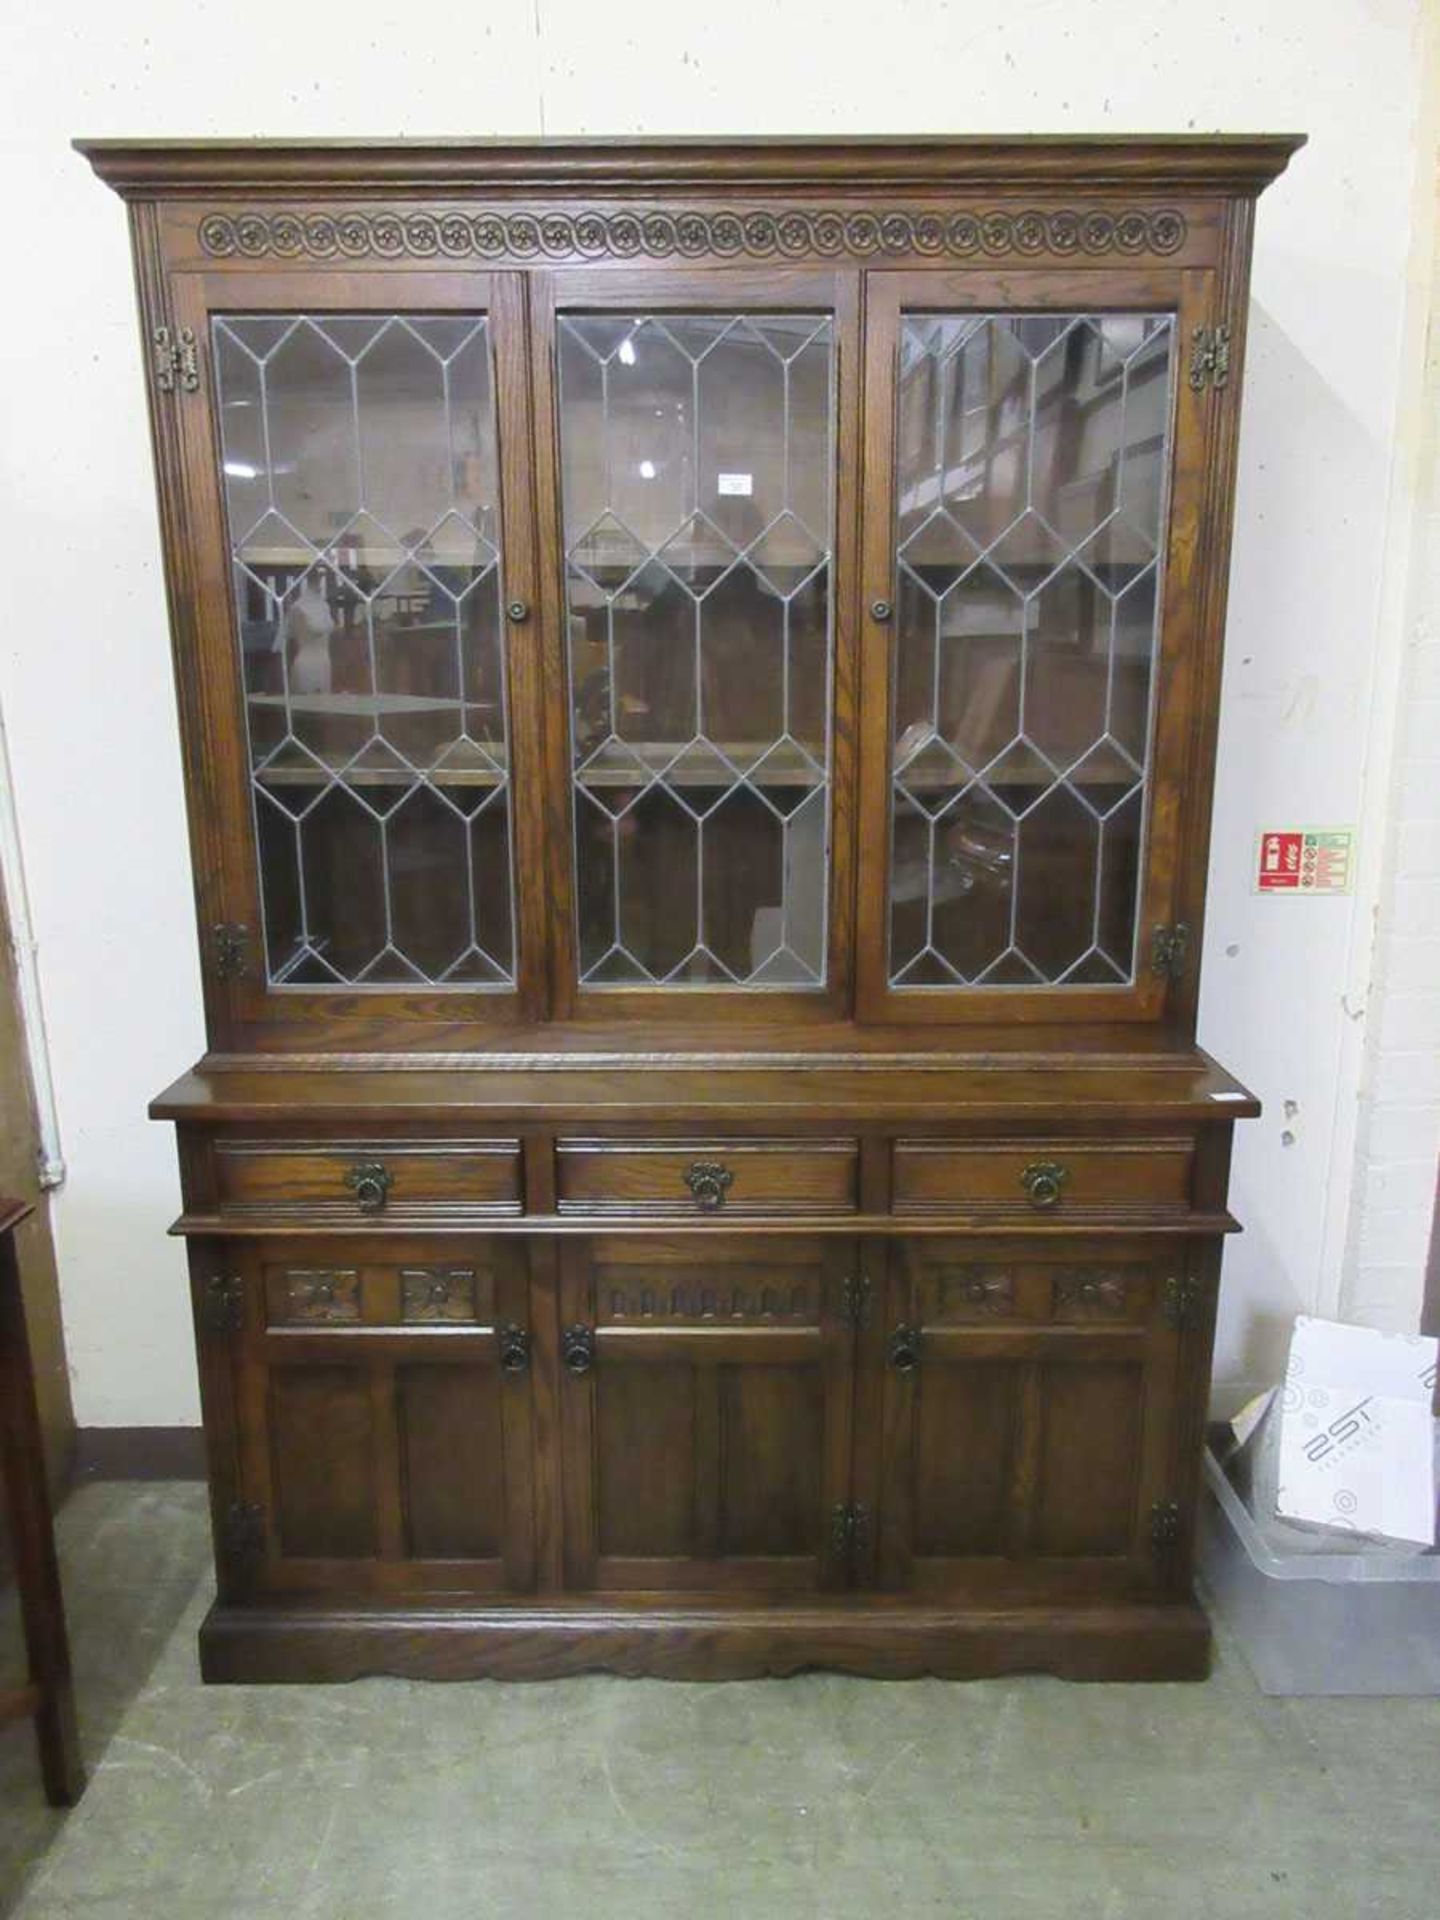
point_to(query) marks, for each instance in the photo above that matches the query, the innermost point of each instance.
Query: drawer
(706, 1177)
(376, 1180)
(1044, 1177)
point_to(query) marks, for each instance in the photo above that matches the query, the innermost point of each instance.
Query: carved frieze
(462, 233)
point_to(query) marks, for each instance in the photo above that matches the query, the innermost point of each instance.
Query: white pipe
(27, 978)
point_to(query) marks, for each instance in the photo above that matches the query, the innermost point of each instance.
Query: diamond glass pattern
(1032, 453)
(362, 495)
(697, 453)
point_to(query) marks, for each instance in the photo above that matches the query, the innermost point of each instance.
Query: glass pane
(362, 495)
(697, 453)
(1032, 453)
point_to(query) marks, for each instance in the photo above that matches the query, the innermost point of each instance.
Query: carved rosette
(1086, 1294)
(660, 234)
(972, 1293)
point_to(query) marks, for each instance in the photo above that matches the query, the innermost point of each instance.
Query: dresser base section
(882, 1640)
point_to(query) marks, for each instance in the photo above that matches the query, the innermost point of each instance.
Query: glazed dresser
(698, 669)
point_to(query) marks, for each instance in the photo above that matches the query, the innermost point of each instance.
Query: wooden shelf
(656, 756)
(379, 777)
(363, 706)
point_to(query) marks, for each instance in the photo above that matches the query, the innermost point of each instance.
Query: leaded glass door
(703, 542)
(1028, 552)
(366, 482)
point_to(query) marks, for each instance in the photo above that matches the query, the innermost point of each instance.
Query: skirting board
(139, 1453)
(315, 1642)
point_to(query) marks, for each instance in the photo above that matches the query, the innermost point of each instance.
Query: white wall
(84, 670)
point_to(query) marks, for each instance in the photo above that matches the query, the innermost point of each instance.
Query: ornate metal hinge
(849, 1533)
(1170, 950)
(1182, 1302)
(855, 1295)
(243, 1538)
(230, 942)
(177, 359)
(1209, 357)
(1164, 1526)
(222, 1304)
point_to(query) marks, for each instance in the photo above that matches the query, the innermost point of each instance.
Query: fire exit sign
(1304, 860)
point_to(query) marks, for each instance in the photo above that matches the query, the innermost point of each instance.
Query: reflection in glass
(362, 493)
(696, 454)
(1032, 451)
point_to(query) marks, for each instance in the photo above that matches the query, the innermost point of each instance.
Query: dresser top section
(1221, 162)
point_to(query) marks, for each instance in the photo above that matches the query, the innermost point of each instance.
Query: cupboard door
(1028, 1417)
(364, 531)
(706, 1413)
(385, 1415)
(701, 735)
(1031, 580)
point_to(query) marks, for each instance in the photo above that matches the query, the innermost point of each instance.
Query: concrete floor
(820, 1796)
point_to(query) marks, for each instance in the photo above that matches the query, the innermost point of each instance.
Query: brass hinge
(1170, 950)
(1164, 1525)
(243, 1537)
(1182, 1302)
(177, 359)
(849, 1533)
(1209, 358)
(222, 1304)
(855, 1295)
(230, 940)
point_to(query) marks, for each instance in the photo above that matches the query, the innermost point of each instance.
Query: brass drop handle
(903, 1350)
(1042, 1181)
(577, 1349)
(709, 1181)
(370, 1181)
(514, 1349)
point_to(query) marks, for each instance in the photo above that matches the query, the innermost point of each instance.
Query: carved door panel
(1028, 1416)
(384, 1416)
(706, 1413)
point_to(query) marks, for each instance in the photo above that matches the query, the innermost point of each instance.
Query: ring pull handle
(1042, 1181)
(709, 1181)
(514, 1349)
(577, 1350)
(903, 1350)
(370, 1181)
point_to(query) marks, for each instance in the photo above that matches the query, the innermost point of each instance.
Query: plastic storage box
(1352, 1622)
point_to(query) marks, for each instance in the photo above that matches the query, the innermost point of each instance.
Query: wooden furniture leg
(49, 1698)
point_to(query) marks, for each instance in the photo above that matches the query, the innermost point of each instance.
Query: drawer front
(1042, 1178)
(706, 1178)
(381, 1180)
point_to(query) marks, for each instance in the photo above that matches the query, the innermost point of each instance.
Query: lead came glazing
(1030, 494)
(362, 497)
(697, 454)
